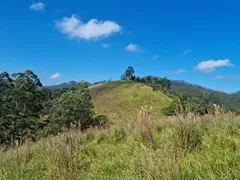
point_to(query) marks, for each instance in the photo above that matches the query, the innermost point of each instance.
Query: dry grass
(120, 99)
(190, 147)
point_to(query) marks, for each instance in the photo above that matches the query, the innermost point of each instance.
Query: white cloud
(37, 6)
(55, 76)
(106, 45)
(211, 65)
(93, 29)
(133, 48)
(155, 57)
(176, 72)
(187, 51)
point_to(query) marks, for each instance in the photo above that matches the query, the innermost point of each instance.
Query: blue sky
(60, 40)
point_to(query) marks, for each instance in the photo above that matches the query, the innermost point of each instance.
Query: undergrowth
(189, 147)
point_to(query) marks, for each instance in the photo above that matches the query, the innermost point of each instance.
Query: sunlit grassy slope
(119, 100)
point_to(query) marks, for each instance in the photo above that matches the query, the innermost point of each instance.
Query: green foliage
(129, 74)
(74, 106)
(100, 120)
(21, 102)
(157, 83)
(25, 107)
(51, 95)
(183, 104)
(186, 148)
(227, 101)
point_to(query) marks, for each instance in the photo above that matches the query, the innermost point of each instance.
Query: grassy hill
(229, 101)
(119, 100)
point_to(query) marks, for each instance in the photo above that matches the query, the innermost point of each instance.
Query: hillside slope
(230, 101)
(119, 100)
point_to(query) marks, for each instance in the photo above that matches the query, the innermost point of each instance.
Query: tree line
(186, 97)
(28, 109)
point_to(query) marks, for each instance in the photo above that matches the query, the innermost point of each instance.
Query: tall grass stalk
(185, 147)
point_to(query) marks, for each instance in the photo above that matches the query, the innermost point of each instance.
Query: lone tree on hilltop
(129, 74)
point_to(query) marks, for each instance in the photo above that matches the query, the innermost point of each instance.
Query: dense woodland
(29, 109)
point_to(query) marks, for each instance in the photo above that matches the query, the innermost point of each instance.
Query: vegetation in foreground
(178, 147)
(198, 140)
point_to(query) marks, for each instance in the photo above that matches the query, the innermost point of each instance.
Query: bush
(100, 120)
(74, 106)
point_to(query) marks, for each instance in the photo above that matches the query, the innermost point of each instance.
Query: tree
(74, 106)
(184, 104)
(129, 74)
(50, 95)
(123, 77)
(21, 102)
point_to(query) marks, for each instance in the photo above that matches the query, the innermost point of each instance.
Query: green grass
(192, 148)
(119, 100)
(179, 148)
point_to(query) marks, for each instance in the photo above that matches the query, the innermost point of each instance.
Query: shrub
(74, 106)
(100, 120)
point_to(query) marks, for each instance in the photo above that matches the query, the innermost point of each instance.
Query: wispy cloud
(181, 71)
(94, 29)
(155, 56)
(212, 65)
(106, 45)
(55, 76)
(176, 72)
(37, 6)
(133, 48)
(187, 51)
(224, 77)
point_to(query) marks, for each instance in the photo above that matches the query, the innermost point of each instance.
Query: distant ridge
(70, 84)
(65, 85)
(231, 101)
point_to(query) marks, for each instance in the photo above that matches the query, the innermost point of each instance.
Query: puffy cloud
(73, 27)
(37, 6)
(155, 57)
(55, 76)
(106, 45)
(133, 48)
(211, 65)
(187, 51)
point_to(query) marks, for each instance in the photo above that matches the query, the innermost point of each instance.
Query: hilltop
(230, 101)
(119, 100)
